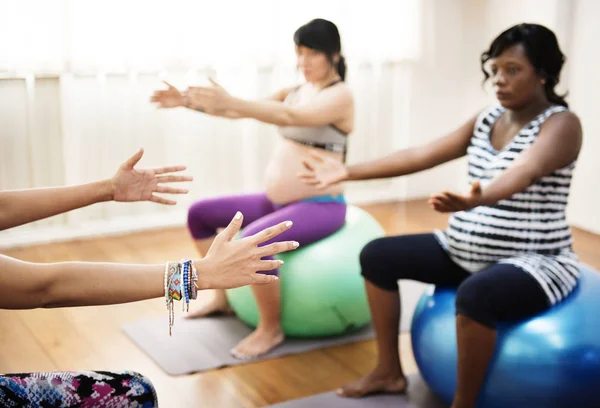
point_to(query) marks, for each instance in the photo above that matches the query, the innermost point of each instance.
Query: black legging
(499, 293)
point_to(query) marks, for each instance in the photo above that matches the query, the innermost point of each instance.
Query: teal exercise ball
(322, 290)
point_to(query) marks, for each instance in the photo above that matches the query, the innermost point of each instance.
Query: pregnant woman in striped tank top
(507, 247)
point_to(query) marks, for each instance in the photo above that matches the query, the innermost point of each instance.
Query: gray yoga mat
(204, 344)
(417, 396)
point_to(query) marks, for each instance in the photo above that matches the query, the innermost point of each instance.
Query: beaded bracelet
(185, 305)
(171, 276)
(179, 284)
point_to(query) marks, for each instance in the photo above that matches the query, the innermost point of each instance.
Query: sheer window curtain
(76, 76)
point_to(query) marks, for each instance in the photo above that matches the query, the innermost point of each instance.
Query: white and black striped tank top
(529, 229)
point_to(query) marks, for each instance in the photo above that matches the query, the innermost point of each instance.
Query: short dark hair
(322, 35)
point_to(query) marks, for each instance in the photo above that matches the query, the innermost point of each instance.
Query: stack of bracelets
(180, 284)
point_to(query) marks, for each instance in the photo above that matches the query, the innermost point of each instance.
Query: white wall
(436, 102)
(584, 86)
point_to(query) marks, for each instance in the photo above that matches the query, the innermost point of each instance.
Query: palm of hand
(212, 99)
(322, 171)
(170, 98)
(134, 185)
(330, 172)
(451, 202)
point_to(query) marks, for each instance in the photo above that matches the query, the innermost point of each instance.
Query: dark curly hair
(542, 50)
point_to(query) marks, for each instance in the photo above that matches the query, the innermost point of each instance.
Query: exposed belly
(281, 181)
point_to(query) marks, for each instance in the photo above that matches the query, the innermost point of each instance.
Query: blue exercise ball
(548, 361)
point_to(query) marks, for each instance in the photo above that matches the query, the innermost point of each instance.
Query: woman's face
(514, 79)
(314, 64)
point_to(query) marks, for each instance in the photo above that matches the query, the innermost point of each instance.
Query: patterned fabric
(85, 389)
(529, 229)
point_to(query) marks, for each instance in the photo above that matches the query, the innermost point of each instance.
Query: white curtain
(118, 35)
(76, 77)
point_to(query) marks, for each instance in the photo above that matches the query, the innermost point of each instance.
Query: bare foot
(217, 306)
(454, 405)
(373, 383)
(458, 404)
(259, 342)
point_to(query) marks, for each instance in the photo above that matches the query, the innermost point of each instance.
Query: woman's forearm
(267, 111)
(227, 114)
(514, 180)
(90, 284)
(19, 207)
(400, 163)
(26, 285)
(415, 159)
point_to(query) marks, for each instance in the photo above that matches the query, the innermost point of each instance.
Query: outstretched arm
(330, 106)
(323, 171)
(173, 98)
(228, 264)
(128, 184)
(557, 145)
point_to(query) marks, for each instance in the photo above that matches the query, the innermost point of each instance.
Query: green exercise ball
(322, 291)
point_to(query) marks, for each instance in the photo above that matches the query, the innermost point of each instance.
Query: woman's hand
(212, 99)
(231, 263)
(131, 184)
(451, 202)
(168, 98)
(323, 171)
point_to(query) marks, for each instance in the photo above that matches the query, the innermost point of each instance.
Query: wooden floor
(91, 337)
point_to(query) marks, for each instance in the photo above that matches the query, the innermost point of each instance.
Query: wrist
(233, 103)
(106, 189)
(350, 174)
(480, 201)
(203, 271)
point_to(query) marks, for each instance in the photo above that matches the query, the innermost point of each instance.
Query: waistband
(329, 198)
(325, 199)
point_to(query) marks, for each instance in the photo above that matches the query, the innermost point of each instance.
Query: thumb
(308, 165)
(214, 83)
(476, 187)
(168, 84)
(317, 156)
(234, 227)
(133, 160)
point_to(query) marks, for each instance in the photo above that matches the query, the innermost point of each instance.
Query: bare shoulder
(564, 124)
(565, 120)
(283, 93)
(339, 92)
(560, 138)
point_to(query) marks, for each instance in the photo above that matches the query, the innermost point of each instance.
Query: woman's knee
(473, 301)
(370, 253)
(372, 267)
